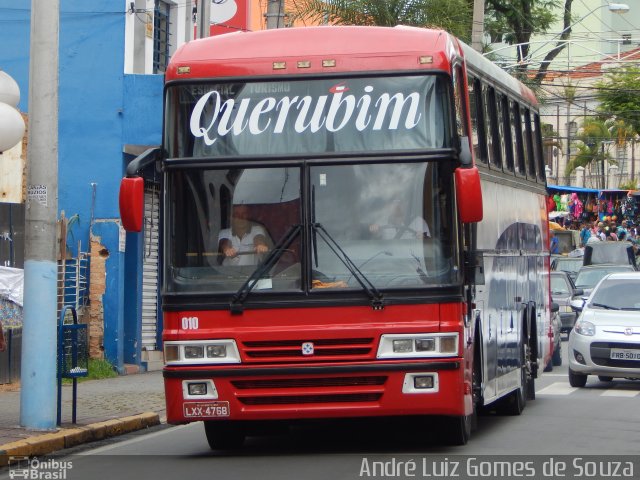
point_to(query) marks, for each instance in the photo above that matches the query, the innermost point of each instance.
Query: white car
(605, 340)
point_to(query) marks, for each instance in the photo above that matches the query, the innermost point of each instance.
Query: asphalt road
(600, 419)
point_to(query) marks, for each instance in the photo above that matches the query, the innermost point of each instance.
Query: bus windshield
(337, 115)
(394, 222)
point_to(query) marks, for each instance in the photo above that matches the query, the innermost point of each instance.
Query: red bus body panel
(271, 339)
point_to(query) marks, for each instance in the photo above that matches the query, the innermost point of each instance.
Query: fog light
(449, 344)
(216, 351)
(423, 382)
(193, 351)
(579, 358)
(404, 345)
(197, 389)
(171, 353)
(425, 344)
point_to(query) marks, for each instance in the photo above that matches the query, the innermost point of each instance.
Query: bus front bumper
(317, 391)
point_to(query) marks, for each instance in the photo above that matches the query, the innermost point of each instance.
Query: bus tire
(224, 435)
(457, 430)
(515, 402)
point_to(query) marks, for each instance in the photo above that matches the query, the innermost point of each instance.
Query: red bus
(353, 225)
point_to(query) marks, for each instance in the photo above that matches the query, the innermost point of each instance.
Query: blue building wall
(100, 110)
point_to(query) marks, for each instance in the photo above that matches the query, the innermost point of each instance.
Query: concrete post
(275, 14)
(204, 18)
(39, 338)
(477, 29)
(580, 172)
(612, 177)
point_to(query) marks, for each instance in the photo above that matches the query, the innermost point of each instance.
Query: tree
(592, 143)
(515, 21)
(451, 15)
(619, 97)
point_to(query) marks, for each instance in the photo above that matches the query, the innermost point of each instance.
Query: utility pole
(477, 29)
(204, 18)
(39, 335)
(275, 14)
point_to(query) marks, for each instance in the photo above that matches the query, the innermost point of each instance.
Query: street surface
(601, 419)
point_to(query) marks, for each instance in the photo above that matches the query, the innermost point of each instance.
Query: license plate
(620, 354)
(206, 409)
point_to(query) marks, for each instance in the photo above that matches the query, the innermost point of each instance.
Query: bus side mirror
(468, 194)
(132, 203)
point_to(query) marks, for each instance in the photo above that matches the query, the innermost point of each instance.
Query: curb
(70, 437)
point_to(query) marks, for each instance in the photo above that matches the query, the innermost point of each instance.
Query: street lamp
(11, 122)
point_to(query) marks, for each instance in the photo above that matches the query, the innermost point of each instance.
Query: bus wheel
(456, 430)
(224, 435)
(515, 402)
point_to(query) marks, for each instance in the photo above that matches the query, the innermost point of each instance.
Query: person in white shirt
(244, 242)
(398, 228)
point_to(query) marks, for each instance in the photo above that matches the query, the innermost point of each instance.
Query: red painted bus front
(302, 363)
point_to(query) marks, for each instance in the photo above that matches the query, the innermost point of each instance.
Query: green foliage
(514, 21)
(451, 15)
(592, 145)
(619, 97)
(98, 369)
(630, 185)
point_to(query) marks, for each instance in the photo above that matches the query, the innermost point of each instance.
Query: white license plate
(621, 354)
(206, 409)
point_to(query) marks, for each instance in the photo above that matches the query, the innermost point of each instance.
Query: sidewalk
(106, 407)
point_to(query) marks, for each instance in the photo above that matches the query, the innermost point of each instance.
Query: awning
(563, 188)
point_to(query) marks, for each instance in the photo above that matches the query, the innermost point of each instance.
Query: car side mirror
(555, 307)
(577, 292)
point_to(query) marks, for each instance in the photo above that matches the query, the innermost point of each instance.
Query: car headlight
(585, 328)
(201, 352)
(418, 345)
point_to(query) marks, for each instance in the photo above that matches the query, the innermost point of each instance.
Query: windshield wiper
(270, 260)
(366, 284)
(602, 305)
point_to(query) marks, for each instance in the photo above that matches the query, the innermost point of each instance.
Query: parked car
(609, 253)
(571, 265)
(563, 291)
(589, 275)
(605, 341)
(556, 328)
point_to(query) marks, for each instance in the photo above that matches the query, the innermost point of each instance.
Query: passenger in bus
(245, 241)
(398, 226)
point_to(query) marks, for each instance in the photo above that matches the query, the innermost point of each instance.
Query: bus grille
(310, 382)
(322, 348)
(298, 399)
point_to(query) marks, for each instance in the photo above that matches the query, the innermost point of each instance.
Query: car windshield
(570, 265)
(559, 285)
(623, 294)
(589, 277)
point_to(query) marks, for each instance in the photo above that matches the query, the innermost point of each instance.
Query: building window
(161, 27)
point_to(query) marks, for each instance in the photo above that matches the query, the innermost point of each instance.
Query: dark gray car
(563, 291)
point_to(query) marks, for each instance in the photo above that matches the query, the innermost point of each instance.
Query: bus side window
(506, 139)
(477, 120)
(517, 135)
(458, 92)
(531, 161)
(537, 145)
(491, 122)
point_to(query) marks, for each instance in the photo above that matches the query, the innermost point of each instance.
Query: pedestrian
(554, 245)
(3, 342)
(585, 234)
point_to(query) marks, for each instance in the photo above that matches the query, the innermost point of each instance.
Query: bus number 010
(189, 323)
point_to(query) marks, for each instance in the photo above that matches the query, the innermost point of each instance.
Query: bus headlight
(418, 345)
(201, 352)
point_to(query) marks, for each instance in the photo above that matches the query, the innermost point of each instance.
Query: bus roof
(477, 63)
(353, 48)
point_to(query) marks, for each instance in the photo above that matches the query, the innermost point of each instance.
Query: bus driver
(244, 242)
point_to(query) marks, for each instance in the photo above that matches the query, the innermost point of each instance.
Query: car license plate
(206, 409)
(620, 354)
